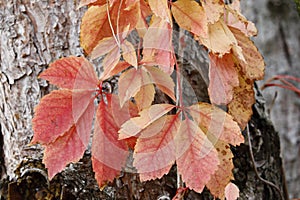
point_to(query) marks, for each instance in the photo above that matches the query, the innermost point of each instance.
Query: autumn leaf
(108, 153)
(154, 152)
(254, 64)
(217, 122)
(243, 99)
(162, 80)
(112, 69)
(147, 116)
(223, 175)
(103, 47)
(110, 62)
(180, 194)
(92, 26)
(71, 73)
(128, 53)
(145, 96)
(57, 113)
(190, 16)
(223, 77)
(235, 19)
(231, 192)
(95, 24)
(130, 83)
(161, 9)
(197, 159)
(72, 143)
(157, 46)
(220, 39)
(214, 9)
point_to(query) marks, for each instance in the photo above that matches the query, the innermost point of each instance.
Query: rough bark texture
(33, 34)
(279, 40)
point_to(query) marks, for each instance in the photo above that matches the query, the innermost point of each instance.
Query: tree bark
(35, 33)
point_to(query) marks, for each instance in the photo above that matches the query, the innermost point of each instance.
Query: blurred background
(278, 40)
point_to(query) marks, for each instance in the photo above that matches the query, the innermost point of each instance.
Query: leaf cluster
(197, 138)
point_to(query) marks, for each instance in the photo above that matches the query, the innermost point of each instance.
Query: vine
(196, 137)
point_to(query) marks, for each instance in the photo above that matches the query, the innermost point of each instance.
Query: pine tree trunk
(35, 33)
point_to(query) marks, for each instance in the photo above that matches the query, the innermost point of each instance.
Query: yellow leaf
(243, 98)
(190, 16)
(128, 53)
(160, 8)
(254, 64)
(220, 39)
(145, 96)
(135, 125)
(213, 9)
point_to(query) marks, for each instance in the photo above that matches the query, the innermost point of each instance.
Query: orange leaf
(197, 159)
(220, 39)
(128, 53)
(145, 96)
(160, 8)
(154, 153)
(71, 145)
(235, 19)
(57, 113)
(223, 77)
(93, 22)
(213, 10)
(190, 16)
(162, 80)
(108, 153)
(223, 175)
(217, 122)
(254, 66)
(157, 47)
(71, 73)
(130, 83)
(231, 192)
(147, 116)
(243, 98)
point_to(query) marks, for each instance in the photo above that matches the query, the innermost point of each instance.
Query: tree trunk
(35, 33)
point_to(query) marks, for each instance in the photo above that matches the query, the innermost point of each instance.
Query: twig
(255, 169)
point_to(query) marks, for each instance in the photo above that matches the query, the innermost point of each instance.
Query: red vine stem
(255, 168)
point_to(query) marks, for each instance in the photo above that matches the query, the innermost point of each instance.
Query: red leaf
(147, 116)
(231, 192)
(57, 113)
(71, 145)
(71, 73)
(190, 16)
(162, 80)
(197, 159)
(108, 153)
(217, 122)
(154, 153)
(223, 77)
